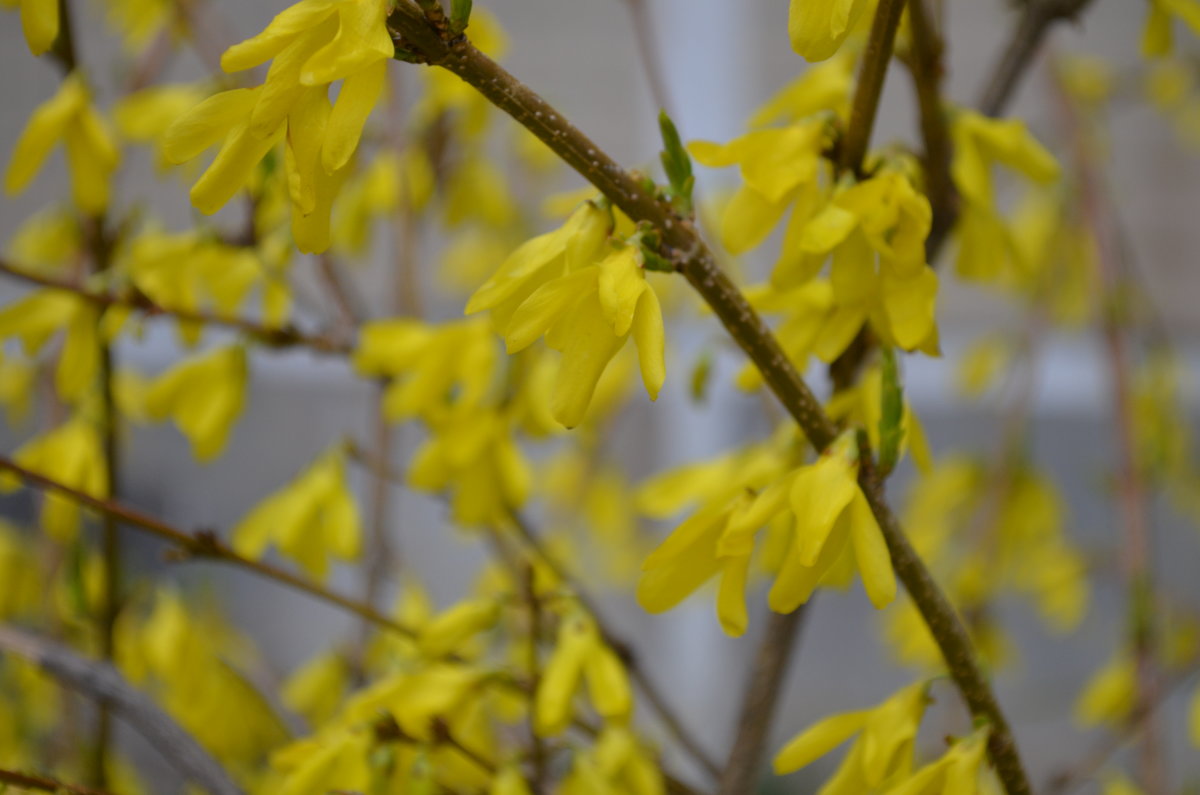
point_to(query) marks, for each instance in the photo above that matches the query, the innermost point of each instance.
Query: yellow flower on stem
(586, 298)
(958, 771)
(1157, 35)
(204, 395)
(881, 753)
(92, 155)
(580, 654)
(72, 454)
(817, 28)
(779, 168)
(39, 22)
(985, 243)
(41, 315)
(833, 532)
(312, 44)
(310, 519)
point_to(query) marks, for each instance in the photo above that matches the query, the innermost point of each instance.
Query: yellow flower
(958, 772)
(71, 454)
(833, 531)
(823, 87)
(580, 654)
(471, 454)
(38, 317)
(189, 271)
(586, 298)
(309, 519)
(587, 315)
(39, 21)
(204, 396)
(315, 689)
(139, 20)
(92, 154)
(1108, 697)
(450, 629)
(881, 753)
(313, 43)
(145, 116)
(49, 241)
(1157, 36)
(434, 368)
(985, 244)
(779, 168)
(818, 27)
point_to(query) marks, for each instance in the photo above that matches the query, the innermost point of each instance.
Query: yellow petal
(46, 127)
(817, 29)
(588, 344)
(355, 101)
(621, 282)
(362, 39)
(281, 31)
(650, 341)
(608, 684)
(731, 596)
(820, 492)
(871, 553)
(232, 169)
(39, 20)
(749, 218)
(207, 123)
(546, 306)
(818, 740)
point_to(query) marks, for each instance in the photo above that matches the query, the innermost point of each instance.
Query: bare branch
(102, 682)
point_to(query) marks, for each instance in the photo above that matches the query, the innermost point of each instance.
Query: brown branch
(683, 246)
(1037, 17)
(203, 544)
(925, 64)
(101, 682)
(760, 702)
(28, 781)
(871, 74)
(285, 336)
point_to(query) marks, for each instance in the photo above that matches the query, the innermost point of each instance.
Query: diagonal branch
(683, 246)
(285, 336)
(202, 544)
(102, 683)
(29, 781)
(878, 55)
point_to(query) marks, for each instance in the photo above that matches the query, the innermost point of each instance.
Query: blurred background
(719, 60)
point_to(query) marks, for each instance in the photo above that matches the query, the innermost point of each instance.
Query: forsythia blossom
(92, 153)
(818, 27)
(833, 529)
(39, 21)
(204, 395)
(586, 297)
(882, 751)
(311, 45)
(309, 519)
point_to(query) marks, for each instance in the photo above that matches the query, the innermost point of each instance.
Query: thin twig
(28, 781)
(871, 74)
(760, 702)
(204, 545)
(643, 32)
(1137, 536)
(925, 64)
(1018, 55)
(1083, 770)
(284, 336)
(683, 246)
(101, 682)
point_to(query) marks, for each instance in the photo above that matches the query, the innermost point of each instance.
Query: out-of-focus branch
(272, 336)
(643, 32)
(760, 701)
(1137, 539)
(1019, 54)
(28, 781)
(202, 544)
(925, 64)
(101, 682)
